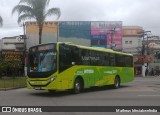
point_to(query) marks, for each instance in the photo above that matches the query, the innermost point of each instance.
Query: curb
(11, 88)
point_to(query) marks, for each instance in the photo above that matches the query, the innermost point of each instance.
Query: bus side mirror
(73, 63)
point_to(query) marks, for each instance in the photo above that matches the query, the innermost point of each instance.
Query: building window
(130, 42)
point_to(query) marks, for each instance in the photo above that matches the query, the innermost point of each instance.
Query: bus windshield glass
(43, 58)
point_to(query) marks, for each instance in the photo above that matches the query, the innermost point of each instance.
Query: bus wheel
(116, 84)
(78, 86)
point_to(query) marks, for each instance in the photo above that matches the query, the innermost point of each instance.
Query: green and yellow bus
(65, 66)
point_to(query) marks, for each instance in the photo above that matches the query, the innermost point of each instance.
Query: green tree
(9, 67)
(35, 9)
(1, 21)
(14, 67)
(3, 67)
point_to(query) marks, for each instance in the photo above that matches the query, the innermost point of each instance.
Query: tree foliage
(35, 9)
(9, 67)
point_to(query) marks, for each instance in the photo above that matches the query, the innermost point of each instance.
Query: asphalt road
(140, 92)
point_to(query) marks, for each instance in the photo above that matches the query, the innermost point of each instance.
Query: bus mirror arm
(73, 63)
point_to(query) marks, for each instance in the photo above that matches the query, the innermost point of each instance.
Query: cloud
(131, 12)
(10, 26)
(146, 14)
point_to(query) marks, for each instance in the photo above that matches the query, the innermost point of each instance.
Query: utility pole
(57, 31)
(112, 33)
(24, 38)
(24, 52)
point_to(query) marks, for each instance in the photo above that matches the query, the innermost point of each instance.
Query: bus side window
(67, 56)
(73, 54)
(64, 57)
(112, 59)
(120, 60)
(105, 60)
(128, 61)
(77, 57)
(85, 57)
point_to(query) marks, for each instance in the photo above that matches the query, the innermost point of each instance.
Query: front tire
(116, 84)
(78, 86)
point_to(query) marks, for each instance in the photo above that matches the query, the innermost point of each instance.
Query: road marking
(149, 95)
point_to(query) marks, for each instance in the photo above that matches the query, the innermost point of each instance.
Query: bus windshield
(42, 60)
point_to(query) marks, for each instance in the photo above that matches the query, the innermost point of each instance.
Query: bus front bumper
(41, 84)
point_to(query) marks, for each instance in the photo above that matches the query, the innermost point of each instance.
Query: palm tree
(1, 21)
(35, 9)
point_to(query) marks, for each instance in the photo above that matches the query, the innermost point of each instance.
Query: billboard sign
(74, 29)
(106, 28)
(13, 56)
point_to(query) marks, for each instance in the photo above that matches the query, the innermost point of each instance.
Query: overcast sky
(144, 13)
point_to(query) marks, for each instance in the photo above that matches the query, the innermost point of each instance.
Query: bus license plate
(37, 88)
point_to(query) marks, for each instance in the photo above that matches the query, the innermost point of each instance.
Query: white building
(131, 40)
(15, 43)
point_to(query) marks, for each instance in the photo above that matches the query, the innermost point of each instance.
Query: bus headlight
(53, 78)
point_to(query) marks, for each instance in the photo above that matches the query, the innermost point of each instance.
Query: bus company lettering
(85, 58)
(111, 72)
(89, 71)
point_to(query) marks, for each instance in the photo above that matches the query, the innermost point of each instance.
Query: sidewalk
(145, 76)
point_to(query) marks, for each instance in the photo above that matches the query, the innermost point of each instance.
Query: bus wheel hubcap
(78, 86)
(117, 82)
